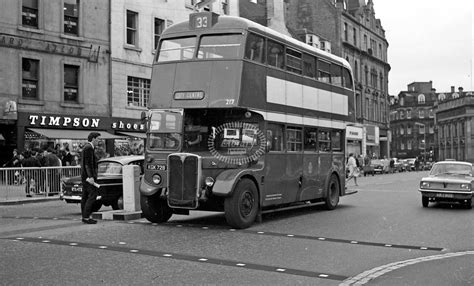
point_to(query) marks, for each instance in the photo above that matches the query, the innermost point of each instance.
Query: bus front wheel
(155, 209)
(242, 206)
(332, 194)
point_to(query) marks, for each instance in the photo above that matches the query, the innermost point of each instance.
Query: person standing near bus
(353, 170)
(89, 170)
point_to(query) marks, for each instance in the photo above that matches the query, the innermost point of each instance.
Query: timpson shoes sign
(132, 126)
(62, 121)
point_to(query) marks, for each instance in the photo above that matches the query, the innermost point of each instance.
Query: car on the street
(109, 178)
(377, 165)
(410, 164)
(448, 181)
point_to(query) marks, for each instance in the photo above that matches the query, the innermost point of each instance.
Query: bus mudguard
(226, 181)
(147, 189)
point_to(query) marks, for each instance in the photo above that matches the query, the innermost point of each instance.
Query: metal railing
(25, 182)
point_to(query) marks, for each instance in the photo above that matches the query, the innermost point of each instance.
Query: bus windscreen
(177, 49)
(220, 47)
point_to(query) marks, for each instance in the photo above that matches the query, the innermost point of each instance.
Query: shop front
(62, 132)
(354, 138)
(372, 141)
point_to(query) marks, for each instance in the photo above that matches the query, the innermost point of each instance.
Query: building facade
(352, 31)
(455, 122)
(54, 70)
(412, 122)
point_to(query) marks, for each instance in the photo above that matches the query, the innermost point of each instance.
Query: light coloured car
(448, 181)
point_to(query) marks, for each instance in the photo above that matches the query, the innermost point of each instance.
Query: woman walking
(353, 170)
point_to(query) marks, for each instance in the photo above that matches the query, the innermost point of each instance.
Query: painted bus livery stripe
(184, 257)
(302, 96)
(304, 120)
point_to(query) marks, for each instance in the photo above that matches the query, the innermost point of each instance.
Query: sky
(428, 40)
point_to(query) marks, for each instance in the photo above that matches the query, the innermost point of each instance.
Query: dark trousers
(89, 196)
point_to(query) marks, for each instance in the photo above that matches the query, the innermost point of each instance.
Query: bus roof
(229, 23)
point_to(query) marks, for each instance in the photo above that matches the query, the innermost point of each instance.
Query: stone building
(455, 122)
(349, 29)
(412, 122)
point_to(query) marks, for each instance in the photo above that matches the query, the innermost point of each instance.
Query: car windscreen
(456, 169)
(109, 168)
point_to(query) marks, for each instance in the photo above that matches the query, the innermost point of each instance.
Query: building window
(421, 113)
(402, 129)
(30, 78)
(356, 71)
(408, 113)
(402, 146)
(71, 83)
(138, 91)
(29, 13)
(408, 129)
(346, 37)
(354, 36)
(365, 42)
(71, 17)
(409, 144)
(132, 18)
(159, 27)
(421, 99)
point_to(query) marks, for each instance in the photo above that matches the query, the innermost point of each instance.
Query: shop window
(29, 13)
(159, 28)
(30, 78)
(71, 83)
(132, 31)
(71, 17)
(138, 91)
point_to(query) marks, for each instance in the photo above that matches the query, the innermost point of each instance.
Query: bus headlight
(209, 181)
(156, 179)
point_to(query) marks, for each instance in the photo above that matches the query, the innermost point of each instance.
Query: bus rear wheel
(332, 194)
(155, 209)
(241, 207)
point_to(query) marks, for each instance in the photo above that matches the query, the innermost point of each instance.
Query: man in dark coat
(89, 176)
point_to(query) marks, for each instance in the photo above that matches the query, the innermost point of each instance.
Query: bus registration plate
(159, 167)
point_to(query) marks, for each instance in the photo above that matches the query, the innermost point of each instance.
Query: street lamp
(424, 139)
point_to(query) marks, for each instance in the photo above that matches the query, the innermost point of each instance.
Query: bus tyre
(155, 209)
(332, 194)
(118, 204)
(241, 207)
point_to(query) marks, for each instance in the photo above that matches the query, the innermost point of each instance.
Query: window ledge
(30, 101)
(32, 30)
(133, 107)
(71, 105)
(133, 48)
(72, 37)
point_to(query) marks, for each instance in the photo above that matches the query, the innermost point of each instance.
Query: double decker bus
(245, 120)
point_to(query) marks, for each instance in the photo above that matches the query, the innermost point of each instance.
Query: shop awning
(71, 134)
(133, 134)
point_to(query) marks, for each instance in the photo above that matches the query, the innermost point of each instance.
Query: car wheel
(155, 209)
(96, 206)
(118, 204)
(241, 207)
(332, 193)
(425, 201)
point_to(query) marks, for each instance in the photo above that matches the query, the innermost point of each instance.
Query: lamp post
(424, 139)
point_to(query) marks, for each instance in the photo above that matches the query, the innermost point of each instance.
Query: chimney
(460, 89)
(452, 89)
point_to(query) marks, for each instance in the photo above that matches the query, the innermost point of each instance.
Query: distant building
(412, 122)
(455, 122)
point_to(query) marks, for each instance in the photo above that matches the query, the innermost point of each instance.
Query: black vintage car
(110, 181)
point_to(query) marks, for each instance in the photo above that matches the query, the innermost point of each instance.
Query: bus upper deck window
(275, 54)
(255, 48)
(177, 49)
(220, 47)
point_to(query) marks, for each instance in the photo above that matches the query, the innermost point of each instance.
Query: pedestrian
(417, 164)
(89, 176)
(392, 165)
(353, 170)
(31, 175)
(52, 174)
